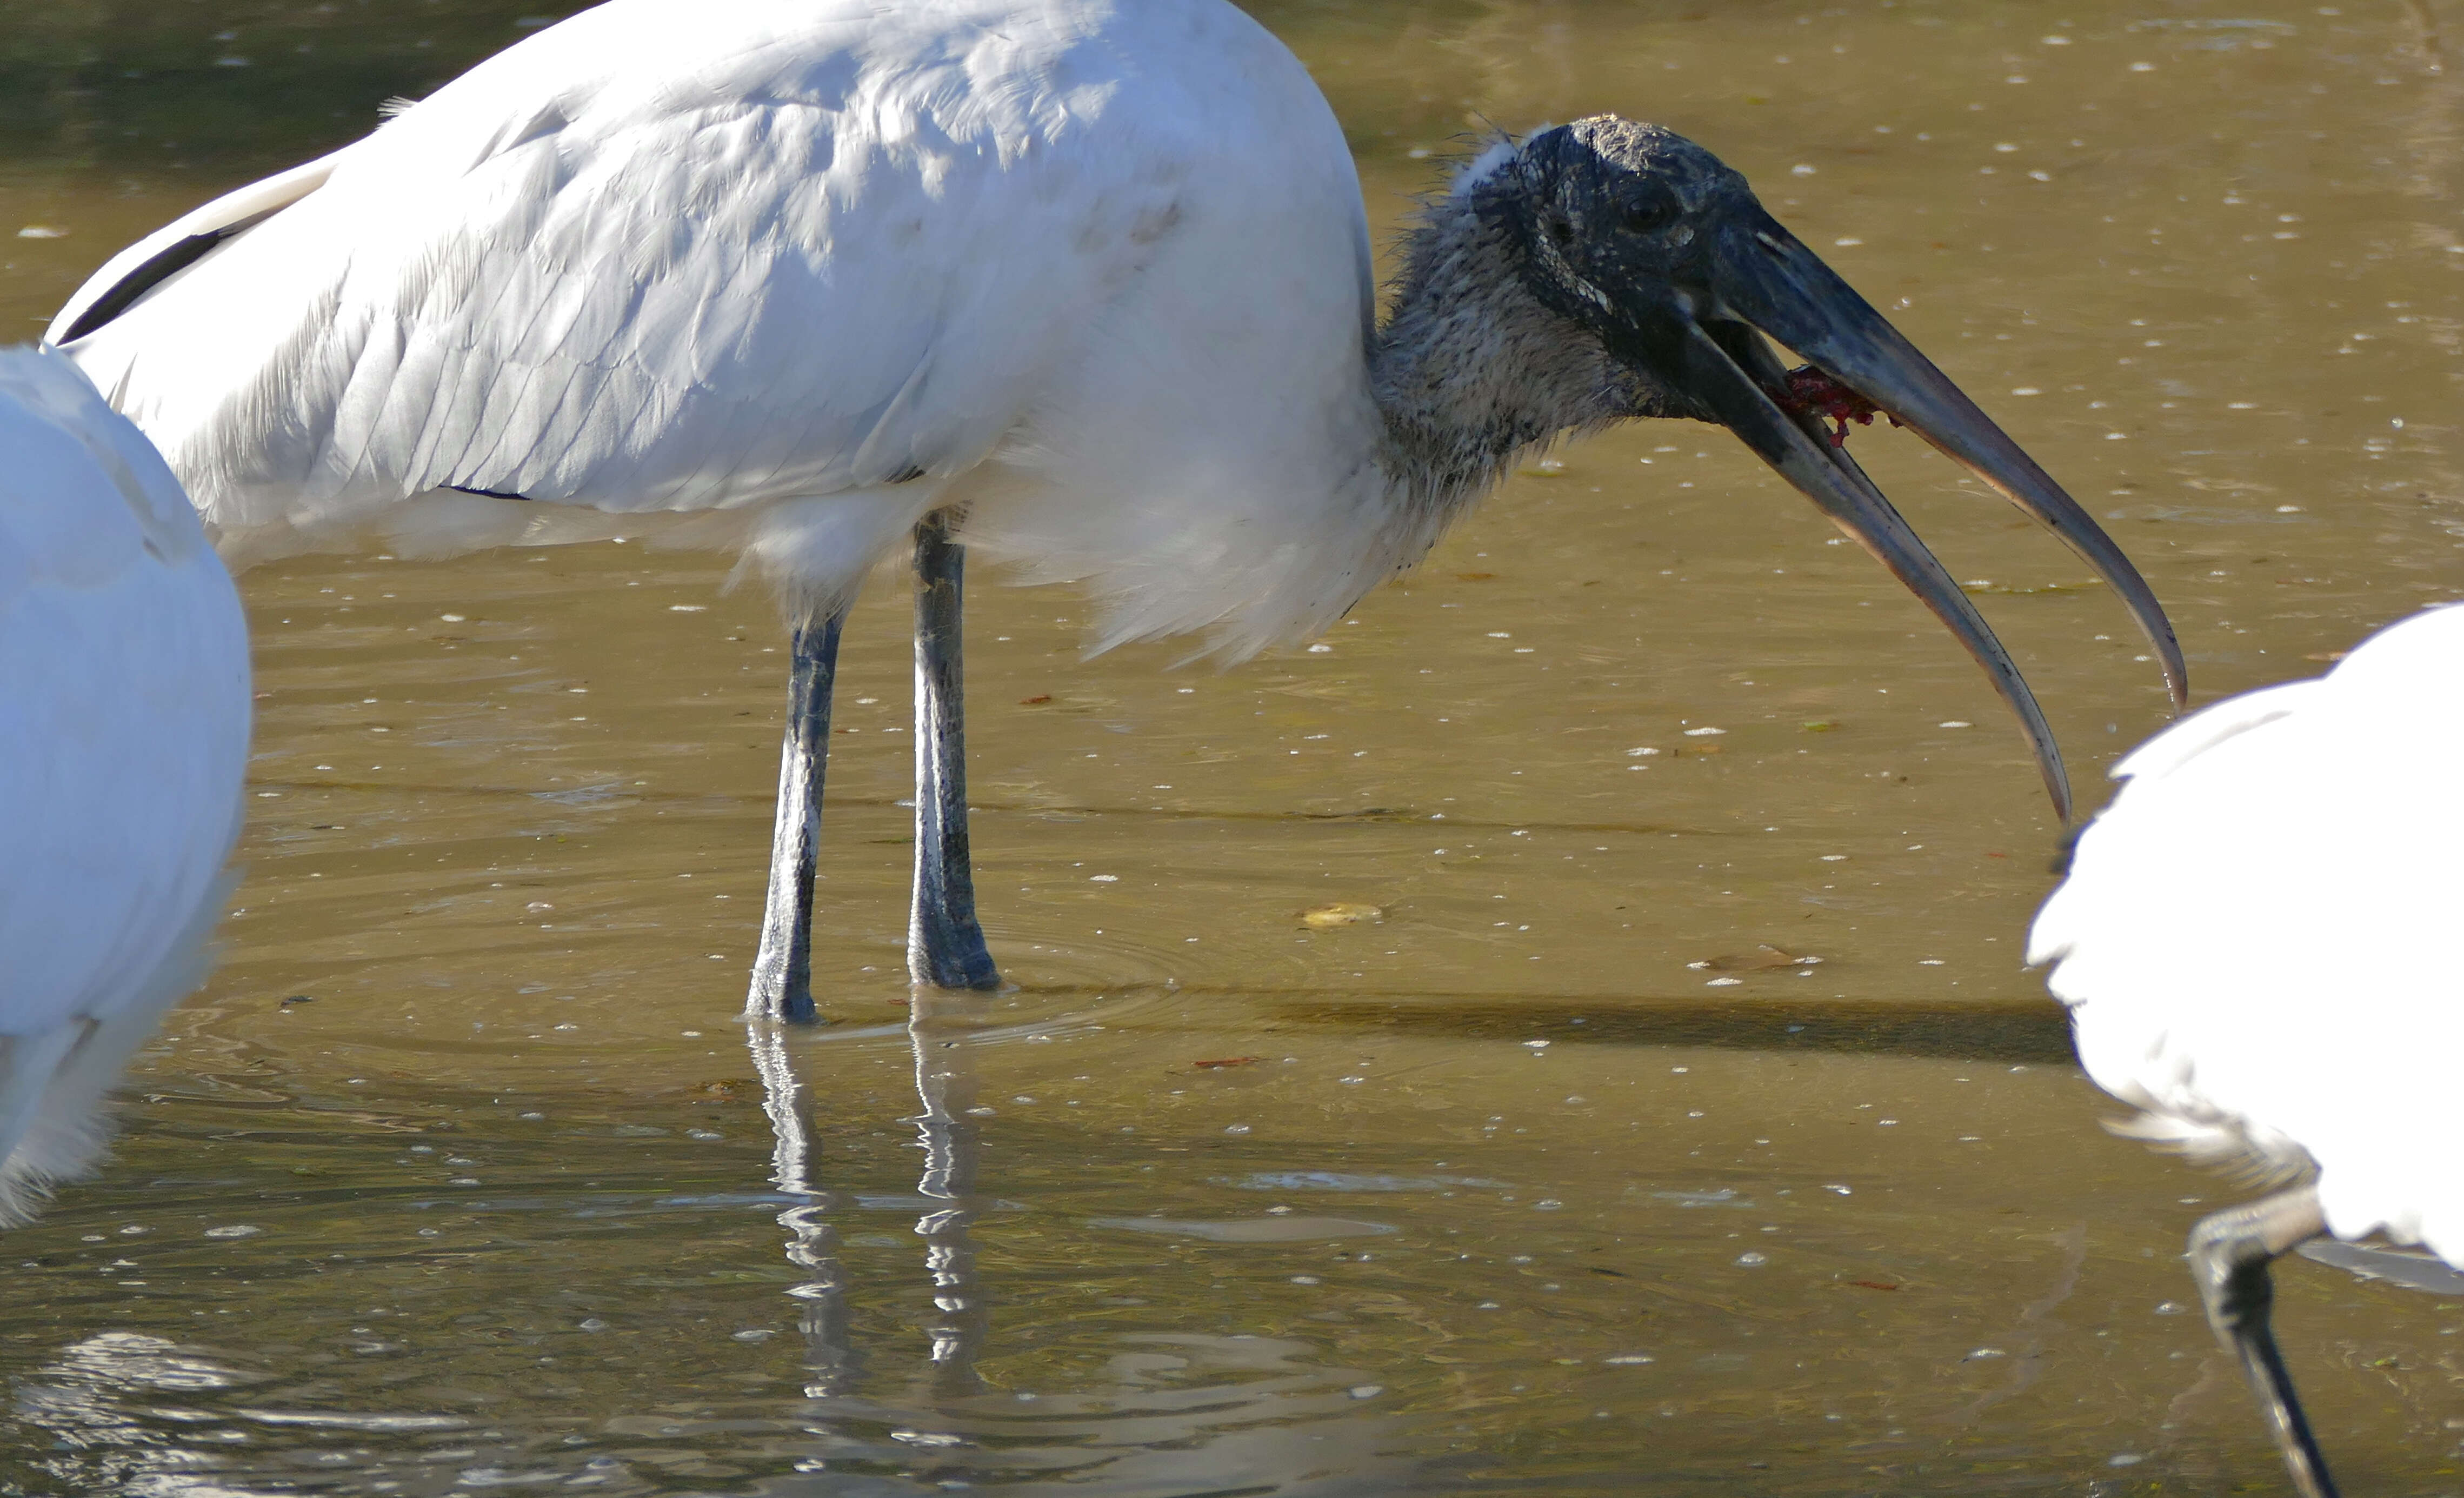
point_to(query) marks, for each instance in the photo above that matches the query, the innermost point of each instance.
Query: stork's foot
(2228, 1254)
(949, 954)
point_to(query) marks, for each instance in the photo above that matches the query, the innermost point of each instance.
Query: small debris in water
(1221, 1062)
(1763, 956)
(1341, 912)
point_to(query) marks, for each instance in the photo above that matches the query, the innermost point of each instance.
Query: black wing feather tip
(157, 268)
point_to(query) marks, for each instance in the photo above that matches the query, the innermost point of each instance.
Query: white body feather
(2258, 939)
(1098, 274)
(123, 737)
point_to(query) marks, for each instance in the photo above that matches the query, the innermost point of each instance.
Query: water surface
(1567, 1166)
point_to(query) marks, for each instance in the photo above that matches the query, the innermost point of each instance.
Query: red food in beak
(1813, 393)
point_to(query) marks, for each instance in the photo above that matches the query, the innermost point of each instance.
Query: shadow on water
(2018, 1032)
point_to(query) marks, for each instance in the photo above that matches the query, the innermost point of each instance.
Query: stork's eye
(1647, 207)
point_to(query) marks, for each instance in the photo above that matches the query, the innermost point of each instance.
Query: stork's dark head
(1617, 227)
(1657, 250)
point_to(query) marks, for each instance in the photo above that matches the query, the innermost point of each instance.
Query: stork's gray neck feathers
(1470, 371)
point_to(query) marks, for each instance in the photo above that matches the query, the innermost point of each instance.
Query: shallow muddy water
(1540, 1172)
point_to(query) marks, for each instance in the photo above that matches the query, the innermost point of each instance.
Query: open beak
(1761, 278)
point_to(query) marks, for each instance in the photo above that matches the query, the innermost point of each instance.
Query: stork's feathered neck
(1470, 372)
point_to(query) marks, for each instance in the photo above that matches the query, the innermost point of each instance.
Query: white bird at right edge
(2257, 944)
(124, 736)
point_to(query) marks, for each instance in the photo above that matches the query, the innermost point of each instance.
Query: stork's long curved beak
(1762, 279)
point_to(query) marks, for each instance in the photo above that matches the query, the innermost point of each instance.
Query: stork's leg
(2228, 1254)
(944, 945)
(782, 972)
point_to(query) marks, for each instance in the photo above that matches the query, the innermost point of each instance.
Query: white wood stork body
(1082, 285)
(123, 737)
(784, 278)
(2256, 944)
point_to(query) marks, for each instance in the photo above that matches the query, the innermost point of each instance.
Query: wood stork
(124, 734)
(2248, 943)
(1082, 285)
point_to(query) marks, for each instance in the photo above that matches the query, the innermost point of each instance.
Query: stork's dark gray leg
(2228, 1256)
(783, 971)
(944, 945)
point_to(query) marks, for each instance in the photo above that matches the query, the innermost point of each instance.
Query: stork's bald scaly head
(1616, 223)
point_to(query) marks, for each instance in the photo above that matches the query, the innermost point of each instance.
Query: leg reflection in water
(812, 1245)
(939, 1028)
(1134, 1405)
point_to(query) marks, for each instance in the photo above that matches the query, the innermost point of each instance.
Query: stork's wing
(785, 259)
(136, 271)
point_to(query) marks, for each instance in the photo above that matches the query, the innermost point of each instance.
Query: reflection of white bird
(2250, 941)
(1083, 284)
(124, 733)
